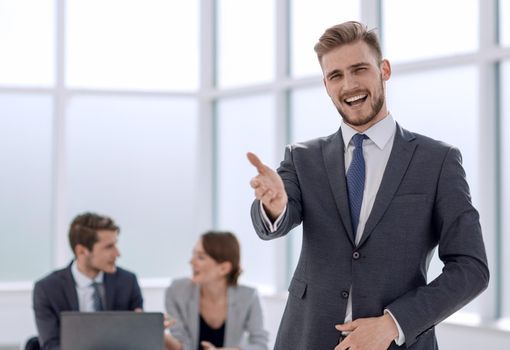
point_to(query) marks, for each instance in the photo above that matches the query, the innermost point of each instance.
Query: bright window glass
(505, 178)
(313, 114)
(245, 124)
(419, 104)
(136, 160)
(504, 22)
(27, 41)
(309, 20)
(26, 131)
(137, 44)
(414, 29)
(245, 42)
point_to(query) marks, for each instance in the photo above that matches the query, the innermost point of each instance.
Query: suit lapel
(70, 289)
(400, 157)
(333, 153)
(193, 321)
(232, 316)
(109, 290)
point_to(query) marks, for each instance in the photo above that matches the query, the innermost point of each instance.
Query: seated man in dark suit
(92, 282)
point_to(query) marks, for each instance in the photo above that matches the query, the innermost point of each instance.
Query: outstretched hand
(269, 188)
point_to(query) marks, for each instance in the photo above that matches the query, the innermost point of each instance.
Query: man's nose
(350, 82)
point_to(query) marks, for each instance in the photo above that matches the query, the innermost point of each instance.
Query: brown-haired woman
(211, 310)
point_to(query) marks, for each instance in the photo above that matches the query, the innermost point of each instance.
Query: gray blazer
(423, 202)
(244, 315)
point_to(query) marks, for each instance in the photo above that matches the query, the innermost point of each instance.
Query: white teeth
(355, 98)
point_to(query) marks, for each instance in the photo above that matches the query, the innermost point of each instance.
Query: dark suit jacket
(423, 201)
(57, 292)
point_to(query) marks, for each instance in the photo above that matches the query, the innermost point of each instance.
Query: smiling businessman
(375, 201)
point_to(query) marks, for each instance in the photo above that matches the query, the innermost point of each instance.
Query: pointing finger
(256, 162)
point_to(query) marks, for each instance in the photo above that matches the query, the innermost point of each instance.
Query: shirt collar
(380, 133)
(83, 280)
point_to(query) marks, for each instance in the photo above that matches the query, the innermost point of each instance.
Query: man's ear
(385, 69)
(81, 250)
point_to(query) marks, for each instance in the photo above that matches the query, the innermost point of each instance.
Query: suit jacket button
(345, 294)
(355, 255)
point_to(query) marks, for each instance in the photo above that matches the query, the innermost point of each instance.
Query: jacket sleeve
(136, 299)
(292, 216)
(46, 319)
(257, 335)
(174, 309)
(461, 249)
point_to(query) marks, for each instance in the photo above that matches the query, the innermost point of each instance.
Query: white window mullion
(282, 273)
(488, 139)
(61, 249)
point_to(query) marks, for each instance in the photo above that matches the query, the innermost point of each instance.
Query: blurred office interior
(144, 110)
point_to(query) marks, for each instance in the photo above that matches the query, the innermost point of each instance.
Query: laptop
(111, 330)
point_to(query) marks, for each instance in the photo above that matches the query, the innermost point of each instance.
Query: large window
(308, 20)
(26, 133)
(418, 103)
(136, 159)
(27, 37)
(144, 110)
(313, 114)
(235, 117)
(245, 42)
(137, 44)
(414, 30)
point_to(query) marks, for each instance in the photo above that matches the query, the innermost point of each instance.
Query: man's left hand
(374, 333)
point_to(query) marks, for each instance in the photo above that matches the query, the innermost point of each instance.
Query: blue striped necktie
(96, 297)
(356, 180)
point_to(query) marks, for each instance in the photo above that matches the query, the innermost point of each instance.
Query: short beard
(376, 108)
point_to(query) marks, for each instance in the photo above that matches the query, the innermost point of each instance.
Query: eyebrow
(351, 67)
(358, 65)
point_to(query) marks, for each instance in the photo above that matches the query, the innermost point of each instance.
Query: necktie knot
(357, 139)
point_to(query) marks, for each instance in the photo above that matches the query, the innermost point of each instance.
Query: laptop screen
(108, 330)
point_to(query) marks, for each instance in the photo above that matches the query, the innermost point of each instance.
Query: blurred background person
(211, 310)
(91, 282)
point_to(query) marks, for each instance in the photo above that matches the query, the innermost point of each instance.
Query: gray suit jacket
(423, 201)
(244, 315)
(57, 292)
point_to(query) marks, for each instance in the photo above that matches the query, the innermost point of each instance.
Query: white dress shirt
(84, 288)
(376, 152)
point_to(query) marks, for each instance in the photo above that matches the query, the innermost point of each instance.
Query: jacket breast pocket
(410, 198)
(297, 288)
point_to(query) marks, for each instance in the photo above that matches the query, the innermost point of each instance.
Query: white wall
(17, 322)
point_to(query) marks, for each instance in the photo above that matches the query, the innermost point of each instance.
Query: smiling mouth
(356, 100)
